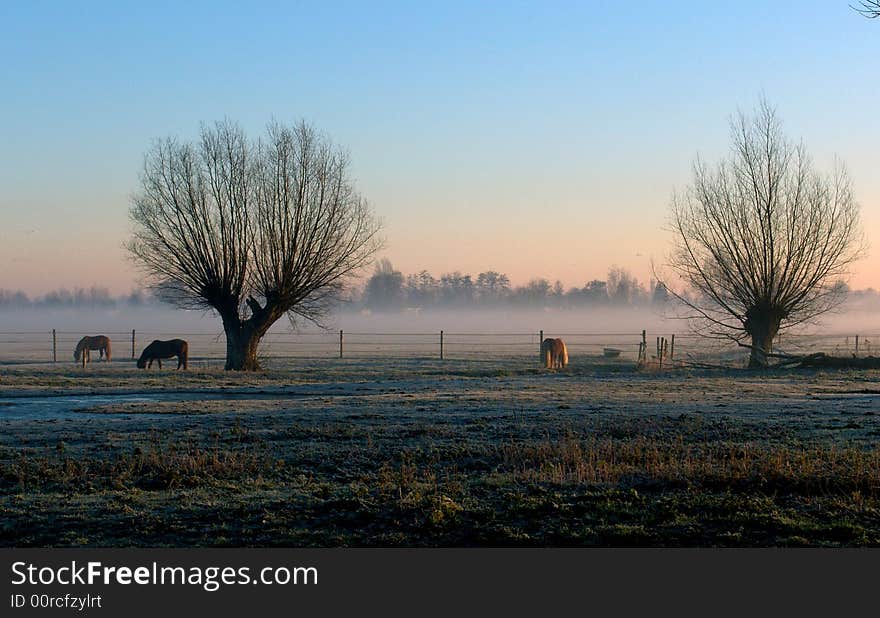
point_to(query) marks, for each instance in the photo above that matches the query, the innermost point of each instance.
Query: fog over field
(853, 318)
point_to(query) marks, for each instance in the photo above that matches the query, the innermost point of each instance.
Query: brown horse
(554, 354)
(98, 342)
(164, 349)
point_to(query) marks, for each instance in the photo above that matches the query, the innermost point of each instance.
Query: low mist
(852, 318)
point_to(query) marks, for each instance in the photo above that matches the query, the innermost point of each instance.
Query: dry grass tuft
(605, 461)
(156, 466)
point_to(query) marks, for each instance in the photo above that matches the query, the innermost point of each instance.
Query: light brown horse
(158, 350)
(98, 342)
(554, 354)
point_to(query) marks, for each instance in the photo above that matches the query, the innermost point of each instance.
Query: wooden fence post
(857, 345)
(540, 342)
(643, 349)
(672, 347)
(54, 347)
(132, 344)
(340, 343)
(441, 345)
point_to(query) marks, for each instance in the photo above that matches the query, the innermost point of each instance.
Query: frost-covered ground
(415, 451)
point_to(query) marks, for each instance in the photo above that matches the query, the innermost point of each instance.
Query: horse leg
(159, 360)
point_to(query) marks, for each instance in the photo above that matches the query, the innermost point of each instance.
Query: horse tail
(564, 353)
(107, 349)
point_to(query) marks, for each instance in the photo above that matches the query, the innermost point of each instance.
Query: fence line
(57, 346)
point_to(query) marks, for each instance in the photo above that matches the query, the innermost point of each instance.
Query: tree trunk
(243, 336)
(763, 327)
(241, 349)
(242, 341)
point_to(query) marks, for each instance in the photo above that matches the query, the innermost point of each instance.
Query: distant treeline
(93, 297)
(389, 289)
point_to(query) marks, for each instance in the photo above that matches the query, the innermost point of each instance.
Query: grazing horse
(164, 349)
(98, 342)
(554, 353)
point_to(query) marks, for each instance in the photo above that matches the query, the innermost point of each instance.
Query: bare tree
(384, 290)
(623, 288)
(762, 239)
(868, 8)
(252, 229)
(492, 286)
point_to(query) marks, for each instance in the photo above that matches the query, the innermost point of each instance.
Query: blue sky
(477, 130)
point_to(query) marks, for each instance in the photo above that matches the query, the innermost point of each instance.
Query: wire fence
(58, 346)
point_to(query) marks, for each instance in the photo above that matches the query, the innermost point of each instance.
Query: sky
(539, 139)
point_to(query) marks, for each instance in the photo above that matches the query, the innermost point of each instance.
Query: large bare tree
(251, 229)
(763, 241)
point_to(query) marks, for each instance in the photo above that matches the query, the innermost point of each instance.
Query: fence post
(441, 345)
(672, 347)
(340, 343)
(662, 351)
(54, 347)
(540, 342)
(857, 345)
(132, 344)
(643, 349)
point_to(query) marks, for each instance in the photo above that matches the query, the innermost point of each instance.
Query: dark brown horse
(158, 350)
(98, 342)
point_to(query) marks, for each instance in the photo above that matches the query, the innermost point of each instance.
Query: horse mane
(80, 347)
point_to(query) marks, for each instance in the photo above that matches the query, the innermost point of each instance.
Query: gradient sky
(537, 139)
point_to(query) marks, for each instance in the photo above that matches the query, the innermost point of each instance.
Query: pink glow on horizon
(47, 260)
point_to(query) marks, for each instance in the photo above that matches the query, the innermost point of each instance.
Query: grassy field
(414, 452)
